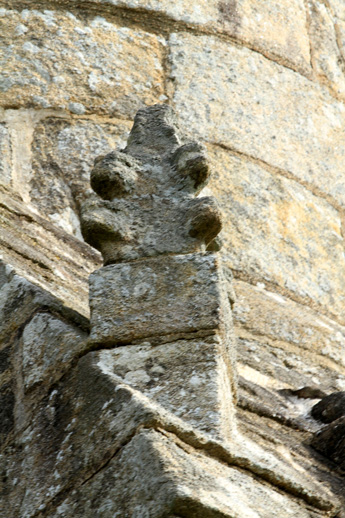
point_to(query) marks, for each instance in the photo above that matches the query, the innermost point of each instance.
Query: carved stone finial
(148, 205)
(171, 308)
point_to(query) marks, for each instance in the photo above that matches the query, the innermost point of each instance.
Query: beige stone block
(266, 314)
(237, 98)
(277, 29)
(189, 378)
(63, 155)
(278, 232)
(338, 8)
(326, 55)
(5, 156)
(81, 64)
(159, 299)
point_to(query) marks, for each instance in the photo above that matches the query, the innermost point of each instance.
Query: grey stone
(7, 402)
(88, 419)
(158, 300)
(45, 255)
(49, 345)
(193, 379)
(330, 408)
(148, 191)
(154, 475)
(330, 441)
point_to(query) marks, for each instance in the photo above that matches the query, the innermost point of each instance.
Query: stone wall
(262, 84)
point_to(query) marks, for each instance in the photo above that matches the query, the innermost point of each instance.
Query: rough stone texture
(158, 300)
(45, 255)
(330, 441)
(39, 340)
(296, 241)
(5, 155)
(56, 59)
(169, 297)
(237, 98)
(330, 408)
(63, 154)
(338, 8)
(189, 378)
(265, 313)
(49, 345)
(102, 416)
(277, 30)
(93, 406)
(326, 55)
(186, 483)
(147, 190)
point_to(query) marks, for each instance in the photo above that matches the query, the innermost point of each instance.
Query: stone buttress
(160, 302)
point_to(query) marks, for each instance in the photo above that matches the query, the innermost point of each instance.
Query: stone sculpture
(159, 284)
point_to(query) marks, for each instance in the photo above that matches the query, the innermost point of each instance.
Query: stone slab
(158, 299)
(190, 378)
(45, 255)
(48, 346)
(237, 98)
(263, 313)
(63, 154)
(278, 232)
(278, 30)
(56, 59)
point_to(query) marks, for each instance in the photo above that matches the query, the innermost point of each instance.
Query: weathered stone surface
(338, 8)
(330, 408)
(176, 480)
(49, 344)
(237, 98)
(277, 30)
(326, 55)
(264, 313)
(330, 441)
(190, 378)
(93, 406)
(160, 299)
(277, 368)
(63, 154)
(275, 319)
(147, 192)
(77, 72)
(45, 255)
(5, 155)
(279, 232)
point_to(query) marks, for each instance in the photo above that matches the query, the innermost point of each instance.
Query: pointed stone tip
(155, 131)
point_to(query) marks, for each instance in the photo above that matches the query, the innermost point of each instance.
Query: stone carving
(148, 205)
(160, 291)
